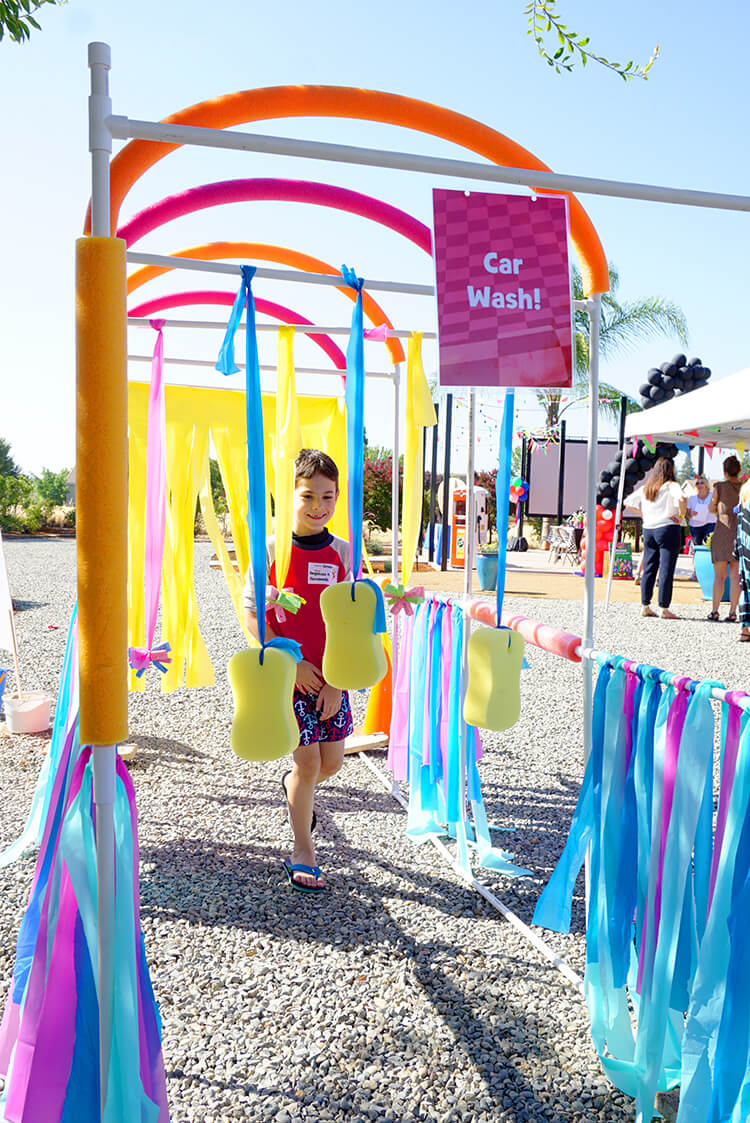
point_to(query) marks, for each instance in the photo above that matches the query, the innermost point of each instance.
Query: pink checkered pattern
(502, 346)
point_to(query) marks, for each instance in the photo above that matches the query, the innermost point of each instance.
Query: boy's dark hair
(312, 462)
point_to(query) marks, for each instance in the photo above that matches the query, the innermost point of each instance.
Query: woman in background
(662, 506)
(724, 500)
(742, 553)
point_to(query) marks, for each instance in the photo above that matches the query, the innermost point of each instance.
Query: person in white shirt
(662, 506)
(702, 522)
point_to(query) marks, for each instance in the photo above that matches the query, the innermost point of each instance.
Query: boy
(323, 713)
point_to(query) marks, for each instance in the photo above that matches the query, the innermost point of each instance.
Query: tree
(52, 487)
(545, 23)
(684, 469)
(623, 325)
(8, 466)
(17, 20)
(218, 493)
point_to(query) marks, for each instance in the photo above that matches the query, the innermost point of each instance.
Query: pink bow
(402, 599)
(272, 596)
(140, 658)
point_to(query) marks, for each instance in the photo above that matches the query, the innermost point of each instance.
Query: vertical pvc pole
(433, 482)
(444, 543)
(594, 308)
(394, 525)
(100, 146)
(468, 576)
(561, 476)
(521, 509)
(616, 535)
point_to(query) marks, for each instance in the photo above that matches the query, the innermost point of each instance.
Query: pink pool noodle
(267, 307)
(540, 635)
(275, 190)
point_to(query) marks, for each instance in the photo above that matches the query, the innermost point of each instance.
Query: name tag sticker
(319, 574)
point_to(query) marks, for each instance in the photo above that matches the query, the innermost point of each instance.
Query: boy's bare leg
(331, 759)
(300, 787)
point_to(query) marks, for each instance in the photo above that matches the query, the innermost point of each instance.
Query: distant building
(70, 494)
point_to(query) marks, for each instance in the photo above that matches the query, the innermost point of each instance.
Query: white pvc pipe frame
(103, 127)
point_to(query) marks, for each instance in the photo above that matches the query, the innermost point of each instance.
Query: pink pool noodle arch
(267, 307)
(275, 190)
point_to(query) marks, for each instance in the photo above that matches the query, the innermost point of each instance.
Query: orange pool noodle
(102, 488)
(380, 702)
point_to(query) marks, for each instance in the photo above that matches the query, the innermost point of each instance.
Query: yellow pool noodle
(354, 657)
(493, 692)
(102, 489)
(264, 725)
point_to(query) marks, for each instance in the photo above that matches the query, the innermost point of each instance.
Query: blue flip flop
(297, 867)
(314, 821)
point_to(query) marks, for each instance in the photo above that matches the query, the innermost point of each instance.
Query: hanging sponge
(264, 725)
(354, 657)
(493, 693)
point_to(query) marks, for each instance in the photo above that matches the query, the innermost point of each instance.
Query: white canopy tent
(717, 414)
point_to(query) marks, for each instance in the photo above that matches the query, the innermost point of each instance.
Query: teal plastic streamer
(502, 495)
(65, 710)
(256, 471)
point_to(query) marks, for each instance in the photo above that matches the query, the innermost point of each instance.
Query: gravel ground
(398, 994)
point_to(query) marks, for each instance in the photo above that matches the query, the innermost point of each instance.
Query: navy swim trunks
(313, 728)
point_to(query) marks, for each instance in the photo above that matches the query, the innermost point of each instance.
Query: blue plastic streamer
(502, 495)
(256, 471)
(354, 397)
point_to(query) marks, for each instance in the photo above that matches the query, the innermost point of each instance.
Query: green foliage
(52, 487)
(16, 17)
(8, 466)
(378, 479)
(217, 488)
(487, 479)
(377, 452)
(684, 469)
(545, 26)
(623, 326)
(16, 495)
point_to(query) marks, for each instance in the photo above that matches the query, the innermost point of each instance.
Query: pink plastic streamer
(398, 747)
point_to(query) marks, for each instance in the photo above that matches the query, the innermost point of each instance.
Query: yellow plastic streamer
(193, 416)
(287, 446)
(420, 412)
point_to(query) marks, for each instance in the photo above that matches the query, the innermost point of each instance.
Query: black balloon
(654, 376)
(679, 360)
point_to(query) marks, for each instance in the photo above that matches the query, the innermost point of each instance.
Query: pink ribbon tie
(141, 658)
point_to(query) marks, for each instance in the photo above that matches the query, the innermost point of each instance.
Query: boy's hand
(329, 701)
(309, 679)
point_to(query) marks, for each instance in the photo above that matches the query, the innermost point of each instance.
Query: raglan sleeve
(345, 558)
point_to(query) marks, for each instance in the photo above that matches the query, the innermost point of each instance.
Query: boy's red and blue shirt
(317, 561)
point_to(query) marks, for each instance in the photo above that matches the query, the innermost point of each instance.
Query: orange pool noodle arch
(275, 102)
(102, 489)
(259, 251)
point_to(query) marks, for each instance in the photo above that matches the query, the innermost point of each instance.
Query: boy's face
(314, 504)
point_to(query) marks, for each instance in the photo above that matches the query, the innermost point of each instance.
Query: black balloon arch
(670, 380)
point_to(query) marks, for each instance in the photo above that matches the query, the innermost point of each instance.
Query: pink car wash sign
(503, 289)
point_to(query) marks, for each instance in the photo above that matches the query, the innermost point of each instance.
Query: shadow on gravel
(242, 888)
(154, 750)
(25, 605)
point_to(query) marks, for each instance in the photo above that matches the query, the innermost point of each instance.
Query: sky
(684, 127)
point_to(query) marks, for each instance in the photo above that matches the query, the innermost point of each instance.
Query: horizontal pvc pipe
(332, 279)
(540, 635)
(717, 693)
(263, 366)
(303, 329)
(124, 128)
(528, 933)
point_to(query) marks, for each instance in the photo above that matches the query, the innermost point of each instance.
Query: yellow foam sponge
(354, 657)
(264, 725)
(493, 693)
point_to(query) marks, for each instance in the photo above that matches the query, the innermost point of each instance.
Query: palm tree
(622, 327)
